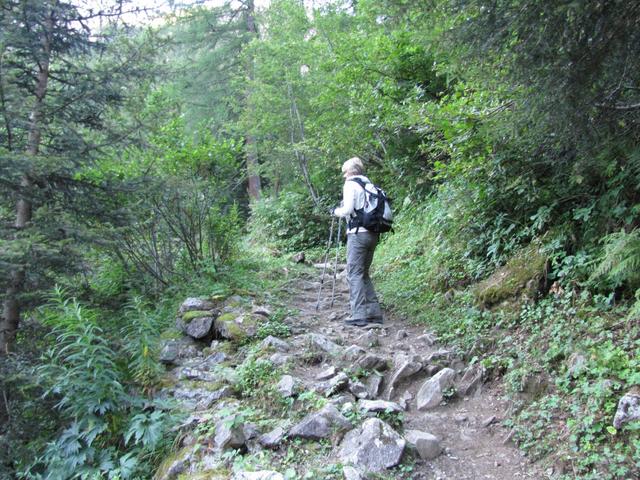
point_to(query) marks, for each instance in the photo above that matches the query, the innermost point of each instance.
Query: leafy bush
(289, 221)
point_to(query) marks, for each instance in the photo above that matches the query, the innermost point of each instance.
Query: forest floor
(475, 443)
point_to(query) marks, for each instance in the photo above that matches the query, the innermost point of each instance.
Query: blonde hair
(354, 166)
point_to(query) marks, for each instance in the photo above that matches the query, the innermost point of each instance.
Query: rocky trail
(385, 402)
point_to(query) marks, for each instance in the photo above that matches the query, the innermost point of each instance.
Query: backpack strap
(359, 181)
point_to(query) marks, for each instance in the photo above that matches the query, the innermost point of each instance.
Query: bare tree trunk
(251, 151)
(11, 309)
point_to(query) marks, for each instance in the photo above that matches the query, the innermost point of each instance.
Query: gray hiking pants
(362, 296)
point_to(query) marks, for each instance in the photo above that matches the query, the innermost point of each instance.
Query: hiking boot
(357, 322)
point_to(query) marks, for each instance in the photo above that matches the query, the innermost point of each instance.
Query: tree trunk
(11, 309)
(251, 151)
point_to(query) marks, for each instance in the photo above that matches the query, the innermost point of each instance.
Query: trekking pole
(326, 256)
(335, 263)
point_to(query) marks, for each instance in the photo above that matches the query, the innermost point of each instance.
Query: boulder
(236, 327)
(372, 447)
(279, 359)
(261, 310)
(192, 303)
(358, 388)
(628, 408)
(471, 380)
(351, 473)
(352, 353)
(196, 327)
(327, 373)
(432, 391)
(427, 446)
(321, 424)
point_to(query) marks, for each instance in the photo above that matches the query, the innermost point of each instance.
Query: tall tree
(58, 81)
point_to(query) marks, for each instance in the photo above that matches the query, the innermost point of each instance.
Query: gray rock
(229, 433)
(471, 380)
(374, 385)
(351, 473)
(428, 339)
(191, 304)
(198, 327)
(321, 424)
(405, 400)
(358, 389)
(275, 343)
(401, 334)
(352, 353)
(237, 327)
(373, 362)
(628, 408)
(327, 373)
(405, 367)
(432, 369)
(261, 310)
(368, 339)
(323, 343)
(250, 431)
(190, 373)
(261, 475)
(279, 359)
(298, 258)
(209, 400)
(214, 359)
(431, 392)
(427, 445)
(440, 355)
(373, 447)
(287, 386)
(272, 439)
(379, 406)
(489, 420)
(576, 364)
(174, 351)
(333, 385)
(341, 400)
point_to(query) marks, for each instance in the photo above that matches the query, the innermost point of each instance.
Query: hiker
(361, 243)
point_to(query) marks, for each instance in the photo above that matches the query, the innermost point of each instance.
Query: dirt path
(476, 445)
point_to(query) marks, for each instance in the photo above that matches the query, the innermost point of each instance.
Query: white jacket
(353, 198)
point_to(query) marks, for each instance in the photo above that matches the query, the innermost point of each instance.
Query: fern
(141, 345)
(620, 262)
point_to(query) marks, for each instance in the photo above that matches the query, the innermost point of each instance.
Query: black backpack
(376, 215)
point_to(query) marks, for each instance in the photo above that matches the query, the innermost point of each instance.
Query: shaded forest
(146, 157)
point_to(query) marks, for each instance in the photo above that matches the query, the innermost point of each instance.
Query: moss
(171, 334)
(524, 269)
(188, 316)
(169, 461)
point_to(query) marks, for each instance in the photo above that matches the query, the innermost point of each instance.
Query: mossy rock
(237, 327)
(521, 275)
(171, 334)
(188, 316)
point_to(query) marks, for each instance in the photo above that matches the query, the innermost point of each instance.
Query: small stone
(401, 334)
(272, 439)
(405, 400)
(191, 304)
(373, 362)
(460, 418)
(379, 406)
(352, 353)
(374, 385)
(334, 385)
(488, 421)
(275, 343)
(374, 446)
(229, 434)
(358, 389)
(431, 370)
(427, 445)
(432, 391)
(428, 339)
(323, 343)
(327, 373)
(286, 386)
(351, 473)
(279, 359)
(298, 258)
(368, 339)
(321, 424)
(261, 310)
(628, 408)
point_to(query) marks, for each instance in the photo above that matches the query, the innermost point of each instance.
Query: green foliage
(289, 222)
